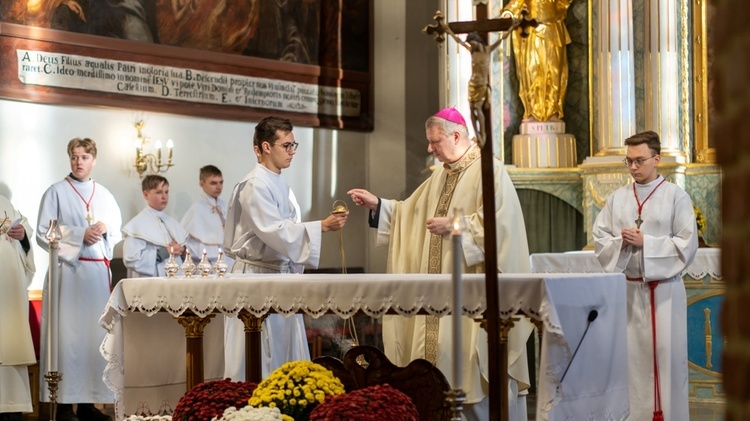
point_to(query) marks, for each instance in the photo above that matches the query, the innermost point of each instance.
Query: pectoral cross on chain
(481, 118)
(638, 222)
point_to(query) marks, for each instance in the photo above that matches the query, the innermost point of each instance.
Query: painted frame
(328, 83)
(704, 152)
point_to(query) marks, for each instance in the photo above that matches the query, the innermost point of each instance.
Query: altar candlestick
(53, 235)
(457, 301)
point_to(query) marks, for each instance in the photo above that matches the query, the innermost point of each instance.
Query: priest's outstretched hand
(362, 197)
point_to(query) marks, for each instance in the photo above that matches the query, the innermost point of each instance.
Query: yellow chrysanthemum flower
(296, 388)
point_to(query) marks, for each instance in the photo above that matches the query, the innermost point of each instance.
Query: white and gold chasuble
(412, 249)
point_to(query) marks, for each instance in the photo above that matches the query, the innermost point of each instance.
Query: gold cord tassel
(339, 206)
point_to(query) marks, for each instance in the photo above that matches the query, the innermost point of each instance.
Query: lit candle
(170, 146)
(157, 145)
(457, 300)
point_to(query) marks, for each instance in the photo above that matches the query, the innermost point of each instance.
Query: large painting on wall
(307, 59)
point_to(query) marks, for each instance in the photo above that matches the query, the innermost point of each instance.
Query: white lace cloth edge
(707, 262)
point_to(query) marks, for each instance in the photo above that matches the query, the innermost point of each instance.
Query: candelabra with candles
(148, 161)
(456, 397)
(53, 377)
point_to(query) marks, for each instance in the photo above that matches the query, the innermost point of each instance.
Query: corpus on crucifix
(498, 330)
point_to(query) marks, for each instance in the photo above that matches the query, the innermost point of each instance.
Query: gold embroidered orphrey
(432, 323)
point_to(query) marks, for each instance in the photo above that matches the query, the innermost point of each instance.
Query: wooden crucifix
(477, 43)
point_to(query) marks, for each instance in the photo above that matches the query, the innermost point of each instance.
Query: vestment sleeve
(667, 256)
(72, 236)
(384, 220)
(608, 241)
(139, 255)
(298, 241)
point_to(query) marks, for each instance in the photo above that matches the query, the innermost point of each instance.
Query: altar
(145, 345)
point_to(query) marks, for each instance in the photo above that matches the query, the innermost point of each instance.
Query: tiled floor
(698, 411)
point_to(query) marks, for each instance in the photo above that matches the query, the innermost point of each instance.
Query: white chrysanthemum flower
(250, 413)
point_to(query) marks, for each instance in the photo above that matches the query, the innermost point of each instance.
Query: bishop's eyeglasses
(288, 146)
(638, 161)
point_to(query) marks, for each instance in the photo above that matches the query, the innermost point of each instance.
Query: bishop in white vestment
(16, 346)
(416, 232)
(647, 231)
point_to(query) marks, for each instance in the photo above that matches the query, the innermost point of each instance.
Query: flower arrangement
(700, 220)
(249, 413)
(210, 399)
(374, 403)
(296, 388)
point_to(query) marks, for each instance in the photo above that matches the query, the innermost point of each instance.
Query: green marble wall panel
(565, 184)
(703, 184)
(576, 106)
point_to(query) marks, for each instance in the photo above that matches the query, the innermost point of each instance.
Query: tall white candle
(457, 302)
(53, 236)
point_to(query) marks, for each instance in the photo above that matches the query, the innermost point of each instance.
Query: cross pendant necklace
(89, 217)
(639, 221)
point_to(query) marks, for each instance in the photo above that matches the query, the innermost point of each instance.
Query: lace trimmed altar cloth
(144, 345)
(707, 262)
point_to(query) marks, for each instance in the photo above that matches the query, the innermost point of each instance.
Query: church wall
(387, 161)
(33, 140)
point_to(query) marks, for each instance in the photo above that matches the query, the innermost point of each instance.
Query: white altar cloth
(707, 262)
(146, 358)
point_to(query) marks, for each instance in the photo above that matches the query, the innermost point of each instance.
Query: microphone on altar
(593, 314)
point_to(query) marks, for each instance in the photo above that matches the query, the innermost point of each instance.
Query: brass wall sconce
(148, 161)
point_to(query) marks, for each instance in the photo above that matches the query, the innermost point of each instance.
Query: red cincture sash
(106, 263)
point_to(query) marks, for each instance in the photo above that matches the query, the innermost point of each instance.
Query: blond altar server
(416, 231)
(265, 235)
(90, 220)
(16, 346)
(205, 220)
(647, 231)
(152, 234)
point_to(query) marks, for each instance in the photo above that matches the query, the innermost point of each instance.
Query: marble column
(613, 76)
